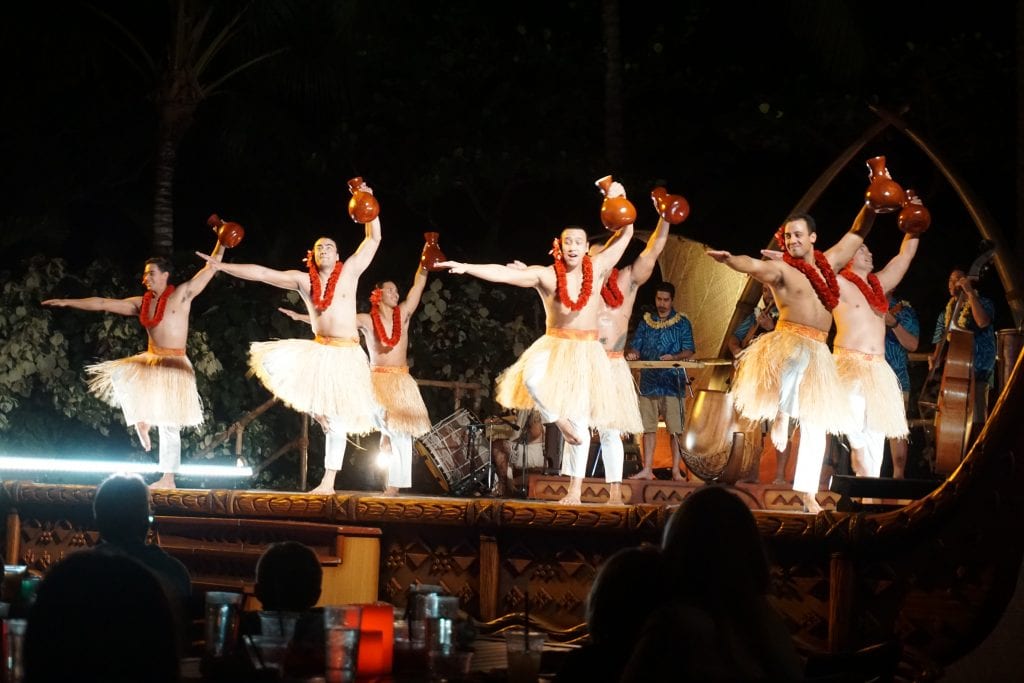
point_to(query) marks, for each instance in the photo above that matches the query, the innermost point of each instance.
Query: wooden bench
(221, 554)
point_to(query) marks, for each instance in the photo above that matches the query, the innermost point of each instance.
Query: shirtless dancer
(859, 351)
(158, 387)
(618, 296)
(402, 415)
(328, 377)
(565, 374)
(789, 371)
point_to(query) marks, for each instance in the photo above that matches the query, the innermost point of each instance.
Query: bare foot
(779, 480)
(643, 474)
(680, 476)
(811, 503)
(572, 497)
(322, 489)
(780, 434)
(390, 491)
(164, 482)
(568, 431)
(142, 429)
(615, 493)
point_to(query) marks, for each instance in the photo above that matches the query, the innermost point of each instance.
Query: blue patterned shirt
(895, 354)
(984, 339)
(653, 343)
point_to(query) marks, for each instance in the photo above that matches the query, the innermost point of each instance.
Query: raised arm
(285, 279)
(188, 290)
(129, 306)
(360, 260)
(412, 299)
(843, 250)
(494, 272)
(610, 255)
(765, 272)
(896, 268)
(643, 267)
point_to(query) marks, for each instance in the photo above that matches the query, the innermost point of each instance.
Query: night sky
(487, 123)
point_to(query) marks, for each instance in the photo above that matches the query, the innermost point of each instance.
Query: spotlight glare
(31, 464)
(383, 460)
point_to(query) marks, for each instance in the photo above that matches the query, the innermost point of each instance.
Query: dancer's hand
(719, 255)
(772, 254)
(211, 261)
(454, 267)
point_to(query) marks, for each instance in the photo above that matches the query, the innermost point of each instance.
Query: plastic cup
(223, 611)
(524, 653)
(341, 640)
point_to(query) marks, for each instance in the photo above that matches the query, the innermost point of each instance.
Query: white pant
(574, 458)
(809, 458)
(400, 463)
(870, 442)
(170, 449)
(612, 453)
(334, 446)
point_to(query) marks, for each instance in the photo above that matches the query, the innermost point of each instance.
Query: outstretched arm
(295, 315)
(129, 306)
(896, 268)
(412, 299)
(493, 272)
(843, 250)
(765, 272)
(285, 279)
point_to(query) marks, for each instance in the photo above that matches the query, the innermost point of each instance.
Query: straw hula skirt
(625, 395)
(869, 376)
(157, 387)
(791, 368)
(572, 378)
(399, 396)
(327, 377)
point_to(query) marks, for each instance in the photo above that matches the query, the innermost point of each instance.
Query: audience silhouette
(717, 624)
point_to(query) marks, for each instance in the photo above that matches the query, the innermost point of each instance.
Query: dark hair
(164, 264)
(732, 566)
(101, 618)
(615, 609)
(801, 216)
(121, 508)
(666, 287)
(288, 577)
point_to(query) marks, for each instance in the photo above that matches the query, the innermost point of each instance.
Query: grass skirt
(772, 360)
(320, 379)
(576, 383)
(157, 389)
(400, 397)
(871, 377)
(624, 392)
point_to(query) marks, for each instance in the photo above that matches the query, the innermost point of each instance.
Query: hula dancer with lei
(327, 377)
(565, 374)
(789, 372)
(859, 351)
(156, 388)
(402, 415)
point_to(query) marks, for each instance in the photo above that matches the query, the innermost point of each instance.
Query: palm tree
(180, 80)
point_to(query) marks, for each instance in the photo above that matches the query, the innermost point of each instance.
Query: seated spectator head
(121, 508)
(100, 618)
(713, 550)
(288, 577)
(622, 596)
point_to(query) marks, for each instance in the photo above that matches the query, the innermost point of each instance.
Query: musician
(565, 374)
(669, 337)
(789, 371)
(523, 449)
(901, 338)
(976, 315)
(759, 321)
(859, 352)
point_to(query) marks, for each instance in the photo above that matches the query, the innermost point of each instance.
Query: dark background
(489, 122)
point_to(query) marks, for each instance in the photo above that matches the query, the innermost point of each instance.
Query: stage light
(30, 464)
(382, 460)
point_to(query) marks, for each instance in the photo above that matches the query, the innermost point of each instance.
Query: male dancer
(565, 374)
(402, 415)
(859, 351)
(329, 376)
(156, 388)
(789, 371)
(618, 296)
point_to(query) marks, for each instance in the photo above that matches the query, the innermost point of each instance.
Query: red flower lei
(161, 304)
(872, 289)
(378, 324)
(321, 304)
(611, 293)
(827, 289)
(585, 289)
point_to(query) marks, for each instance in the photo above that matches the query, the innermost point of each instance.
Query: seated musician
(524, 445)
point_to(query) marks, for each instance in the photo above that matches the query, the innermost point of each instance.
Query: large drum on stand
(456, 450)
(714, 446)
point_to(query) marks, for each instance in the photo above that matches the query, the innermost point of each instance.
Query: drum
(454, 448)
(713, 445)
